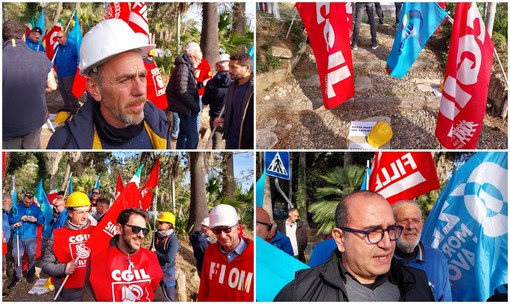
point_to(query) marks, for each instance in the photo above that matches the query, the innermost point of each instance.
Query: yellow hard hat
(381, 133)
(167, 217)
(151, 53)
(77, 199)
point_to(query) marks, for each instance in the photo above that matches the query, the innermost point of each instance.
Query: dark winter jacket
(182, 90)
(325, 283)
(215, 92)
(199, 242)
(301, 236)
(246, 130)
(80, 132)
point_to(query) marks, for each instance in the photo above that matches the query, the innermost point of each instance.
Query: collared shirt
(290, 231)
(236, 252)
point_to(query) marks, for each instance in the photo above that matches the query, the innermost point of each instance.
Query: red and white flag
(466, 81)
(403, 175)
(328, 29)
(119, 187)
(117, 10)
(151, 182)
(50, 40)
(138, 19)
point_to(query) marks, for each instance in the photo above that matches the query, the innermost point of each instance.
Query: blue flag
(46, 209)
(259, 189)
(469, 224)
(40, 24)
(366, 179)
(275, 269)
(419, 20)
(75, 35)
(70, 185)
(14, 209)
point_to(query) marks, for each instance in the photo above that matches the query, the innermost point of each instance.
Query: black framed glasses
(268, 225)
(375, 235)
(95, 192)
(137, 229)
(218, 230)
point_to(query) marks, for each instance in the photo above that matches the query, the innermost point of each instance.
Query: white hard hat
(223, 215)
(223, 58)
(192, 46)
(205, 222)
(109, 38)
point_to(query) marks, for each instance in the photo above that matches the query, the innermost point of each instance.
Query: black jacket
(247, 122)
(301, 236)
(215, 91)
(182, 90)
(324, 283)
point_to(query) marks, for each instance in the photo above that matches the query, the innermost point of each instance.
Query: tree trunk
(347, 159)
(209, 38)
(57, 14)
(228, 175)
(198, 204)
(239, 18)
(52, 161)
(301, 197)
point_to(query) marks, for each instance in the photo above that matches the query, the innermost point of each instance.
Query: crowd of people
(128, 269)
(120, 112)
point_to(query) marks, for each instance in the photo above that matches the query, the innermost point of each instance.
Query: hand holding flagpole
(65, 280)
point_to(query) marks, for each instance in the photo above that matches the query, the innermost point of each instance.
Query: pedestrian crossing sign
(277, 164)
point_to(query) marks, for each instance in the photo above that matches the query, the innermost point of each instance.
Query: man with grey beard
(116, 114)
(411, 252)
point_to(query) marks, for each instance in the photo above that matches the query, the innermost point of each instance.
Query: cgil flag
(117, 10)
(466, 80)
(327, 28)
(469, 224)
(403, 175)
(419, 20)
(138, 19)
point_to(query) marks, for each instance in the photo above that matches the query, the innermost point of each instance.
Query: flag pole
(64, 282)
(67, 184)
(368, 175)
(212, 132)
(71, 19)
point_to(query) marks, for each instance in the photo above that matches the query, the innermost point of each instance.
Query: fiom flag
(469, 224)
(106, 228)
(419, 21)
(46, 209)
(403, 175)
(327, 28)
(466, 80)
(275, 269)
(51, 41)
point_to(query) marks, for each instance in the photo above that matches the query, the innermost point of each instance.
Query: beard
(121, 114)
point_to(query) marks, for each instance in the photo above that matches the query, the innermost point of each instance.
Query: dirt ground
(185, 262)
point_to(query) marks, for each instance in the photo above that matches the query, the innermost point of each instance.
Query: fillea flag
(469, 224)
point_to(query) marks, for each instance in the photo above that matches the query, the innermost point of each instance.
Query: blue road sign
(277, 164)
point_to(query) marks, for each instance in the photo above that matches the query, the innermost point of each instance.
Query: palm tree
(343, 181)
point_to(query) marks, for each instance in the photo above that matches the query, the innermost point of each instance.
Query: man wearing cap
(227, 272)
(182, 96)
(238, 114)
(33, 38)
(117, 116)
(67, 253)
(125, 271)
(165, 244)
(25, 223)
(200, 240)
(214, 96)
(27, 76)
(66, 60)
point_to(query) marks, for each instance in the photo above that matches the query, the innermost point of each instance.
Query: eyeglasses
(137, 229)
(95, 192)
(221, 229)
(269, 225)
(375, 235)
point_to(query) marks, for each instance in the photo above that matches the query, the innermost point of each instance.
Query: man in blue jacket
(6, 228)
(24, 223)
(33, 38)
(66, 61)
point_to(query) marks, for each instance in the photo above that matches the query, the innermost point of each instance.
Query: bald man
(263, 223)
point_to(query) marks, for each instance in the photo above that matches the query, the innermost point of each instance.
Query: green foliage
(341, 181)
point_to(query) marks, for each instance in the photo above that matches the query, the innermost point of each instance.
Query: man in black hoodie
(214, 96)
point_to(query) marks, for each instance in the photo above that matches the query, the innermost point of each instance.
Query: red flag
(79, 84)
(151, 182)
(203, 72)
(442, 5)
(50, 41)
(403, 175)
(119, 187)
(466, 81)
(155, 85)
(106, 229)
(52, 196)
(138, 19)
(117, 10)
(327, 28)
(348, 11)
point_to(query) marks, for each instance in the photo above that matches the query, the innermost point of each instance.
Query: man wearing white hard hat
(182, 96)
(200, 240)
(214, 96)
(117, 114)
(227, 271)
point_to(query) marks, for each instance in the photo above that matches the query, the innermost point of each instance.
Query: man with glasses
(227, 270)
(60, 213)
(361, 268)
(182, 96)
(267, 230)
(66, 60)
(125, 271)
(93, 200)
(413, 253)
(33, 38)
